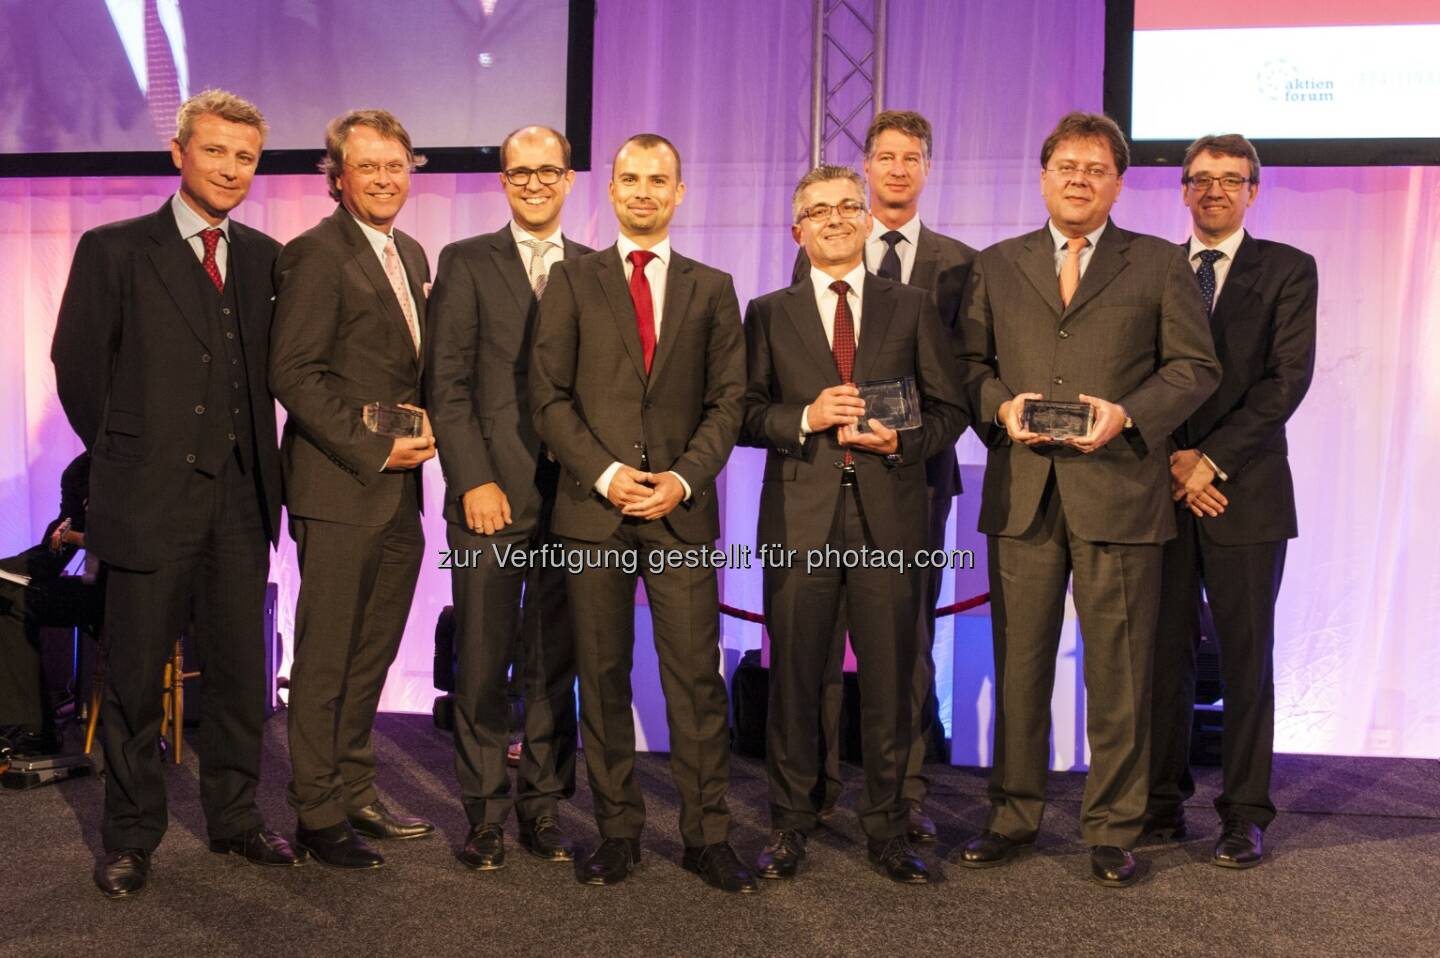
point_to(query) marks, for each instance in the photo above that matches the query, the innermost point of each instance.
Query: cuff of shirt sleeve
(602, 485)
(685, 485)
(1218, 471)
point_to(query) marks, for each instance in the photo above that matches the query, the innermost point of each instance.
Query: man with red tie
(636, 381)
(159, 357)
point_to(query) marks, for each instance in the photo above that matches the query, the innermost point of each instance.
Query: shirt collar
(1060, 239)
(911, 231)
(521, 237)
(626, 246)
(821, 280)
(191, 223)
(1230, 245)
(376, 237)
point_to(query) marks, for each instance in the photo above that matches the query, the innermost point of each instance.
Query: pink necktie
(1070, 268)
(397, 283)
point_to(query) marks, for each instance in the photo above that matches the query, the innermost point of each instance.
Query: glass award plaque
(389, 419)
(894, 402)
(1058, 420)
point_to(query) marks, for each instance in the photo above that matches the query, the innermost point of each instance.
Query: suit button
(639, 445)
(190, 458)
(1058, 381)
(205, 358)
(1064, 334)
(229, 335)
(199, 410)
(226, 310)
(230, 436)
(235, 411)
(838, 464)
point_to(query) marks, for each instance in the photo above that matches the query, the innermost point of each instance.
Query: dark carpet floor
(1354, 871)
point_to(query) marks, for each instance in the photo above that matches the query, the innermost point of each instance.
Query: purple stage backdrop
(1357, 665)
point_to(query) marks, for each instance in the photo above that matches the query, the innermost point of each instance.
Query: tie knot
(1209, 256)
(893, 238)
(211, 238)
(1076, 243)
(640, 258)
(541, 247)
(840, 287)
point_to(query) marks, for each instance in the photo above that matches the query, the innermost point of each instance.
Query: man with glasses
(1230, 477)
(500, 496)
(349, 331)
(902, 249)
(838, 483)
(1079, 311)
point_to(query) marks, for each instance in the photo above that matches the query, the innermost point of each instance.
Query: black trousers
(1116, 591)
(355, 590)
(497, 632)
(685, 613)
(65, 601)
(1241, 583)
(800, 611)
(215, 580)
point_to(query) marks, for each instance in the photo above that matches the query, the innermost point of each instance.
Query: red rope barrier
(968, 604)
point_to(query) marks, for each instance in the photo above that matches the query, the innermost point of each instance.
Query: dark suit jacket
(1135, 333)
(942, 266)
(593, 403)
(132, 353)
(482, 322)
(340, 341)
(1264, 330)
(790, 362)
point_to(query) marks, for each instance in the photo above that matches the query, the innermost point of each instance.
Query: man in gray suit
(1079, 310)
(500, 497)
(349, 327)
(637, 379)
(900, 248)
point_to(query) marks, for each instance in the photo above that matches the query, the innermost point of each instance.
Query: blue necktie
(1205, 276)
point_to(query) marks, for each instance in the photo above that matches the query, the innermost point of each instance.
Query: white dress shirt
(192, 225)
(129, 19)
(1229, 246)
(553, 255)
(1062, 249)
(826, 300)
(875, 247)
(378, 241)
(655, 271)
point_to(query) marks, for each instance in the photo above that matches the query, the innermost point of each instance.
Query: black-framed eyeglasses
(1201, 182)
(520, 175)
(820, 212)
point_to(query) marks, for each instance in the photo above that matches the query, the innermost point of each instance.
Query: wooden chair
(172, 719)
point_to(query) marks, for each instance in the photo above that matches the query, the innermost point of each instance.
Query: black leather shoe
(720, 867)
(543, 838)
(1112, 867)
(122, 873)
(260, 846)
(377, 821)
(922, 828)
(484, 849)
(338, 846)
(1241, 845)
(989, 849)
(897, 861)
(610, 863)
(781, 858)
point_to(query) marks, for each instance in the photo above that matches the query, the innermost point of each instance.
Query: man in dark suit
(829, 489)
(159, 359)
(1231, 478)
(349, 331)
(500, 498)
(902, 249)
(637, 379)
(1079, 311)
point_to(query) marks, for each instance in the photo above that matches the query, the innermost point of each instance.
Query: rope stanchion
(964, 606)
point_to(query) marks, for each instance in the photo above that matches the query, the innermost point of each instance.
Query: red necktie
(162, 81)
(644, 305)
(843, 342)
(211, 239)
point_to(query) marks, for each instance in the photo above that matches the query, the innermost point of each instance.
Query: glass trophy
(390, 419)
(1058, 420)
(894, 402)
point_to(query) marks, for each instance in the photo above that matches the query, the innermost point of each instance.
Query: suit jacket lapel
(175, 261)
(612, 280)
(927, 260)
(1241, 275)
(1105, 264)
(1037, 263)
(512, 269)
(370, 266)
(804, 316)
(679, 288)
(877, 307)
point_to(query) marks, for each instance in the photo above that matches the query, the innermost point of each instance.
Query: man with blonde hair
(159, 353)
